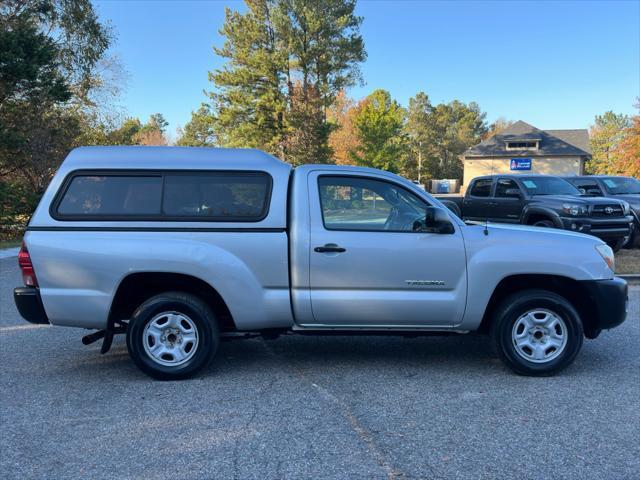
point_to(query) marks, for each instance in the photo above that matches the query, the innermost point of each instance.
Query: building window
(522, 145)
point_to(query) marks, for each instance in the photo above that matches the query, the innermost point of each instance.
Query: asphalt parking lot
(313, 407)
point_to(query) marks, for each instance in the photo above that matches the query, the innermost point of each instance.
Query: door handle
(493, 204)
(330, 248)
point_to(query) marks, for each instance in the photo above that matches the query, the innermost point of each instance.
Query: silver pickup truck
(180, 248)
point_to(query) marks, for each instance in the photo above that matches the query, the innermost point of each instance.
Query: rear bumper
(611, 301)
(29, 304)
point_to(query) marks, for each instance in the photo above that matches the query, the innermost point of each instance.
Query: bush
(17, 202)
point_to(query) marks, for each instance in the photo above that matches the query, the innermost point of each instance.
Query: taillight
(28, 273)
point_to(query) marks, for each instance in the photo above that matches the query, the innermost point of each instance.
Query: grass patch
(628, 261)
(9, 243)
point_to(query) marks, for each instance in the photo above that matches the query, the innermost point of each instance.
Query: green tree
(29, 66)
(248, 102)
(286, 62)
(200, 130)
(605, 136)
(419, 129)
(96, 133)
(50, 51)
(156, 122)
(439, 134)
(152, 132)
(126, 133)
(379, 128)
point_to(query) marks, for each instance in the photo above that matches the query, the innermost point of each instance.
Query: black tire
(200, 316)
(616, 245)
(513, 309)
(544, 223)
(634, 241)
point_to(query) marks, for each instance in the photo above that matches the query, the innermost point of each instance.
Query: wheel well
(138, 287)
(572, 290)
(534, 217)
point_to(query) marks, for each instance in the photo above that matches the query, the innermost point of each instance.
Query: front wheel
(616, 245)
(172, 336)
(537, 332)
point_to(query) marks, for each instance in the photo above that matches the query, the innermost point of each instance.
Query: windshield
(621, 185)
(549, 186)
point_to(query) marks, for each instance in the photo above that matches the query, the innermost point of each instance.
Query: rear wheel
(172, 336)
(537, 332)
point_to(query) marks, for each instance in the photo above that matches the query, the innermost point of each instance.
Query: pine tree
(248, 101)
(286, 62)
(200, 131)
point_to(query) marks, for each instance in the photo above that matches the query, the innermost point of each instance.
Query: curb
(631, 278)
(9, 252)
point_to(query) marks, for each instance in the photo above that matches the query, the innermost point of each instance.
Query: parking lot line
(17, 328)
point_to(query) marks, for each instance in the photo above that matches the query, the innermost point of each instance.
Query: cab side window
(482, 188)
(357, 203)
(507, 188)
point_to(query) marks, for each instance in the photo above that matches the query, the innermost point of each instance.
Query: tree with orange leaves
(343, 139)
(627, 153)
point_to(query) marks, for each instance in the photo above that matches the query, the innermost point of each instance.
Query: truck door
(507, 202)
(477, 202)
(368, 267)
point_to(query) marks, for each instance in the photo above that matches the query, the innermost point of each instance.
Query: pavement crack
(365, 436)
(245, 428)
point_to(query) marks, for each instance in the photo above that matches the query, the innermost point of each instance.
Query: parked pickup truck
(182, 247)
(620, 188)
(543, 201)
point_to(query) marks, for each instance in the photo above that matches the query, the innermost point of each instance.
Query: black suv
(544, 201)
(620, 188)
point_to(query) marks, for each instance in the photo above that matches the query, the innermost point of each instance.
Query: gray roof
(579, 138)
(552, 142)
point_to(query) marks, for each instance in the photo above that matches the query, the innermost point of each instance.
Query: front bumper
(29, 304)
(604, 228)
(611, 301)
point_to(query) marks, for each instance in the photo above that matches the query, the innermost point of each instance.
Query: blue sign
(520, 164)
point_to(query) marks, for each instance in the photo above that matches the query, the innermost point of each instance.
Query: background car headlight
(574, 210)
(607, 254)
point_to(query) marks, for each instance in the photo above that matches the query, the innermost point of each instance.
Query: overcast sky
(551, 64)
